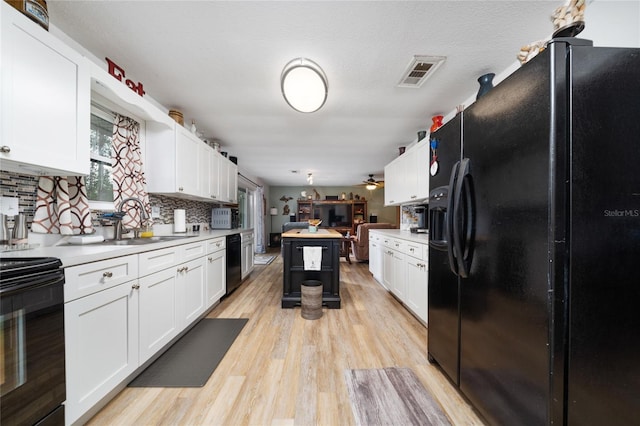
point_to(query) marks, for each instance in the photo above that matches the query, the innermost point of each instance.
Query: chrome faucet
(143, 216)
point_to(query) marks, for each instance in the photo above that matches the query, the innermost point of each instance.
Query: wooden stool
(311, 299)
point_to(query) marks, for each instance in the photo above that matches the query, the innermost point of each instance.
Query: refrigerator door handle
(450, 220)
(464, 218)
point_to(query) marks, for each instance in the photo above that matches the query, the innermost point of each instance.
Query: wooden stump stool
(311, 299)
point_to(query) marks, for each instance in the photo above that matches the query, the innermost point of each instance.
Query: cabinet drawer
(83, 280)
(191, 251)
(395, 244)
(216, 244)
(414, 250)
(388, 242)
(157, 260)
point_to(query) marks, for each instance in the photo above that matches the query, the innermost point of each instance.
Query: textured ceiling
(220, 63)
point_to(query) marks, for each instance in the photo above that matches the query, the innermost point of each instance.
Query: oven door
(32, 356)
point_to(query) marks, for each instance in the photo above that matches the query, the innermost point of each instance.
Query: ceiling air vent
(419, 69)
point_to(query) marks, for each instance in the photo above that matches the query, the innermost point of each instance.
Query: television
(334, 215)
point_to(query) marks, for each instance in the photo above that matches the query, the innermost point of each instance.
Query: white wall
(613, 23)
(608, 23)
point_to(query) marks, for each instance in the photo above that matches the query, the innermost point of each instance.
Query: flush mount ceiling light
(304, 85)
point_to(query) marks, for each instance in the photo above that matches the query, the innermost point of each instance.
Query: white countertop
(71, 255)
(404, 235)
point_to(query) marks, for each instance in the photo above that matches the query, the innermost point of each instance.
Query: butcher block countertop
(304, 233)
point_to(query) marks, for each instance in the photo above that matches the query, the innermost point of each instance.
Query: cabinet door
(417, 289)
(399, 275)
(247, 258)
(214, 170)
(232, 183)
(187, 164)
(204, 163)
(387, 269)
(101, 340)
(392, 182)
(422, 160)
(191, 293)
(375, 259)
(216, 277)
(158, 312)
(45, 101)
(223, 179)
(406, 173)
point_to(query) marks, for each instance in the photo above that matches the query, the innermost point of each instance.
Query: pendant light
(304, 85)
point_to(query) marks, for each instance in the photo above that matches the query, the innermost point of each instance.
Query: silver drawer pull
(5, 149)
(210, 259)
(135, 286)
(107, 274)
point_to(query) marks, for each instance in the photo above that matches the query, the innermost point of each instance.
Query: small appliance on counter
(225, 218)
(421, 212)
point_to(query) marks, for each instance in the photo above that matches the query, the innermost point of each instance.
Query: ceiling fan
(372, 184)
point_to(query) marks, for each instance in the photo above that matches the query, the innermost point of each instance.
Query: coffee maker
(421, 213)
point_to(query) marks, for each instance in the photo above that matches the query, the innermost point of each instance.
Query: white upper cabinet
(232, 182)
(45, 101)
(227, 181)
(172, 165)
(180, 164)
(407, 177)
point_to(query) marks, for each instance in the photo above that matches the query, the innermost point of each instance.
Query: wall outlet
(9, 205)
(155, 212)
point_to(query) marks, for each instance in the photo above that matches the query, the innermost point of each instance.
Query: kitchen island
(294, 272)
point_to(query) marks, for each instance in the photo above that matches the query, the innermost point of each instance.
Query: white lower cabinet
(101, 340)
(120, 312)
(216, 276)
(401, 266)
(247, 256)
(417, 295)
(387, 269)
(191, 297)
(158, 312)
(375, 257)
(399, 275)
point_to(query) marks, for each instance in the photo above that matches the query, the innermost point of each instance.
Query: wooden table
(294, 273)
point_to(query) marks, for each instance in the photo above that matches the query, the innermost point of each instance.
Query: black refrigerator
(535, 239)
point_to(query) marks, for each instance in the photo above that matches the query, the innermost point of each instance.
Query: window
(99, 183)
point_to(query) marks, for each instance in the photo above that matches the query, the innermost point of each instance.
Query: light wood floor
(285, 370)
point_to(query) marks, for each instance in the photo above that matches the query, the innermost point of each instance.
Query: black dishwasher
(234, 262)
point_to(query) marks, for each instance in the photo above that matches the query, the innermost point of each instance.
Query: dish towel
(312, 257)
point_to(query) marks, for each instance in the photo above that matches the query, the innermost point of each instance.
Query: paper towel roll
(179, 221)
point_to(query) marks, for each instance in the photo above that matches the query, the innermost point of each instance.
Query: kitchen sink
(143, 241)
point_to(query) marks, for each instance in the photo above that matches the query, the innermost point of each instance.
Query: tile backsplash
(24, 188)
